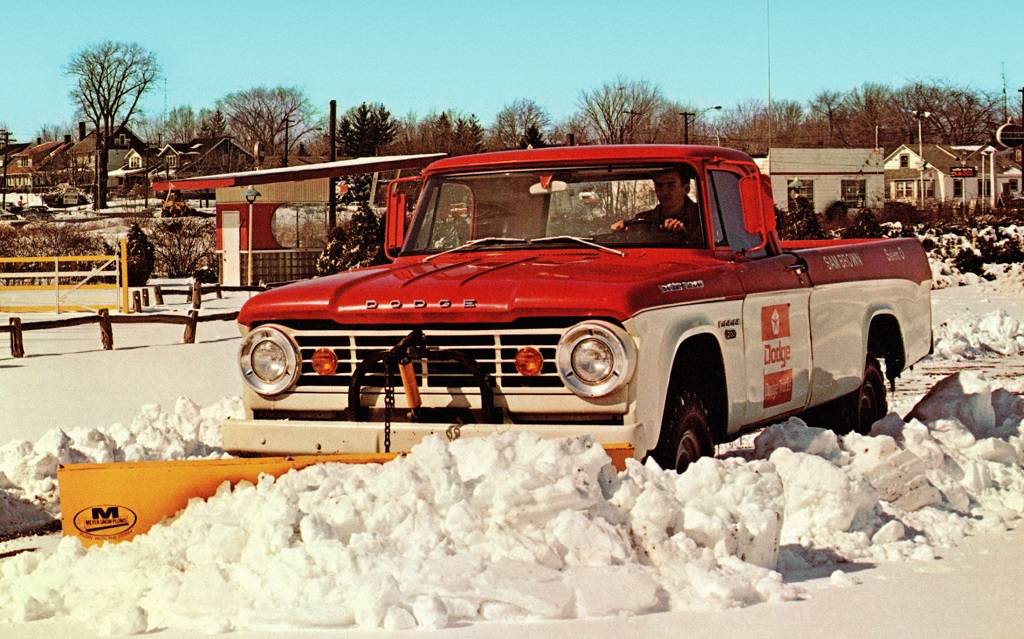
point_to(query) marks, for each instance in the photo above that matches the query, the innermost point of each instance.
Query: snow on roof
(296, 173)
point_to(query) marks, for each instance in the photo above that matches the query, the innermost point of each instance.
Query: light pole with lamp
(250, 195)
(690, 114)
(920, 115)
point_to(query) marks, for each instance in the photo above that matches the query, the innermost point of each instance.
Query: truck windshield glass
(638, 206)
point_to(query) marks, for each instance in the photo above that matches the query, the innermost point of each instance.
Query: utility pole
(686, 125)
(6, 135)
(332, 183)
(287, 124)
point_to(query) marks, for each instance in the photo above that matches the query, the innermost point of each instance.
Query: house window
(1013, 184)
(801, 188)
(905, 189)
(122, 139)
(135, 162)
(984, 188)
(855, 193)
(172, 161)
(958, 188)
(904, 161)
(929, 188)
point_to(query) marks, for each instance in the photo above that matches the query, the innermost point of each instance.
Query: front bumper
(287, 437)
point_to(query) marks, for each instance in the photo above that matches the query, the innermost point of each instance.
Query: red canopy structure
(339, 168)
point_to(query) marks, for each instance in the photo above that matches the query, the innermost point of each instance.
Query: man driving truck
(675, 211)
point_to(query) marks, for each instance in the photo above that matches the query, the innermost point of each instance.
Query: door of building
(231, 257)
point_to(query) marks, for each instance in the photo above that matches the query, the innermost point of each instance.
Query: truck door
(775, 322)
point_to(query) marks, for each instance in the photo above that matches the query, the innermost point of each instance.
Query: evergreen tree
(141, 257)
(866, 226)
(534, 138)
(365, 130)
(212, 124)
(801, 222)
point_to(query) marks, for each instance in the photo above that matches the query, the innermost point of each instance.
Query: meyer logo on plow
(105, 521)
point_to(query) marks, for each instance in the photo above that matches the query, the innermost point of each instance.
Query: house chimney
(81, 131)
(39, 141)
(67, 139)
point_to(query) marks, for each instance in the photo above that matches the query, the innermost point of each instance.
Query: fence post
(158, 295)
(145, 296)
(106, 330)
(220, 295)
(197, 294)
(17, 343)
(190, 328)
(124, 275)
(56, 283)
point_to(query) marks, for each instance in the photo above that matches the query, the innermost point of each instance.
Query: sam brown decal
(842, 261)
(105, 520)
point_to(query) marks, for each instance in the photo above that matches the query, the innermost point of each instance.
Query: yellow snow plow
(114, 502)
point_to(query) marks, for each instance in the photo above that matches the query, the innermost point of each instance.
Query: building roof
(298, 173)
(88, 144)
(824, 161)
(40, 154)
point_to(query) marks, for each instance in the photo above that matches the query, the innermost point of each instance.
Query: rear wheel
(685, 436)
(869, 403)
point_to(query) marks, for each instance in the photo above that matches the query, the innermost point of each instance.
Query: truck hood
(499, 287)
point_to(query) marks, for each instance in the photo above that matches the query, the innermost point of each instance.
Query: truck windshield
(636, 206)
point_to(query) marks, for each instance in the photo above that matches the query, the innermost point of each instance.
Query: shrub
(141, 257)
(866, 226)
(360, 242)
(182, 245)
(837, 211)
(801, 223)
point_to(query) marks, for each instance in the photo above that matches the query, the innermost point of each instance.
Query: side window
(727, 212)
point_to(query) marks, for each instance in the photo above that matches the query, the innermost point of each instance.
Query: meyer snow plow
(114, 502)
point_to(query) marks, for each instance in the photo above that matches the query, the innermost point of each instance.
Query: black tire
(869, 403)
(685, 436)
(857, 411)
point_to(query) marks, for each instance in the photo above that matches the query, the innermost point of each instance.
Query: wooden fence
(16, 327)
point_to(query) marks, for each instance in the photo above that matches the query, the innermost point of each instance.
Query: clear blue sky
(418, 56)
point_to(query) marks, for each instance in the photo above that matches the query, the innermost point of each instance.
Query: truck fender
(694, 340)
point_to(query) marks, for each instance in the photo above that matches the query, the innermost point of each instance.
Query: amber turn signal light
(325, 362)
(529, 361)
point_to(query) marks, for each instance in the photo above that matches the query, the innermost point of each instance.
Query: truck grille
(494, 352)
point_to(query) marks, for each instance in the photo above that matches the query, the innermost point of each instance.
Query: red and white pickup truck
(511, 303)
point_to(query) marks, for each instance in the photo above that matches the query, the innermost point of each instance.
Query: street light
(690, 114)
(250, 195)
(920, 115)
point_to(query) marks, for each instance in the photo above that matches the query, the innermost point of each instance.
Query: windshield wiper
(478, 242)
(581, 240)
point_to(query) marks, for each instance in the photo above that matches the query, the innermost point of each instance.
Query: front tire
(685, 436)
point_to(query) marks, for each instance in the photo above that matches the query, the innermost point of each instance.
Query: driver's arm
(619, 225)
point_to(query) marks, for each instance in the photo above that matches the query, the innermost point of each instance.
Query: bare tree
(620, 111)
(181, 124)
(110, 79)
(512, 123)
(263, 115)
(827, 107)
(54, 131)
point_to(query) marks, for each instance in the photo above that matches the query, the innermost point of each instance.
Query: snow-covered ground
(911, 532)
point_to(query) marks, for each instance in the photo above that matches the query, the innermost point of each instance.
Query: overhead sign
(963, 171)
(1010, 135)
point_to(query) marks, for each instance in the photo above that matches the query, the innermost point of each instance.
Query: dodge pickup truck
(540, 290)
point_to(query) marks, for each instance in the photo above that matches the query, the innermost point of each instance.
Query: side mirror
(753, 198)
(395, 226)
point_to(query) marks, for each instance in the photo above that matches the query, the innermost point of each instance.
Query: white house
(953, 174)
(824, 176)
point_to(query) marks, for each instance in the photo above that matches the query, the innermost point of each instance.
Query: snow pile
(954, 468)
(28, 472)
(969, 338)
(507, 527)
(516, 527)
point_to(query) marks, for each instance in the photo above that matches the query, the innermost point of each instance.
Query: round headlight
(595, 358)
(269, 360)
(592, 360)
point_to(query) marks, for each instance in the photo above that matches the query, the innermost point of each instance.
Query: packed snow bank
(996, 333)
(514, 527)
(954, 468)
(506, 527)
(28, 472)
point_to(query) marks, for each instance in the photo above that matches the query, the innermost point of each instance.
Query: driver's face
(670, 190)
